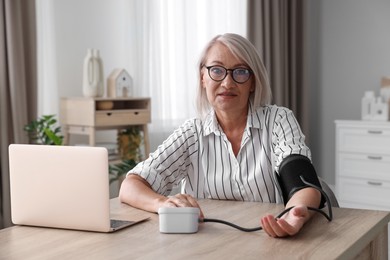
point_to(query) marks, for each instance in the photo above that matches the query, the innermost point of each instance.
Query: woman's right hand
(182, 200)
(138, 193)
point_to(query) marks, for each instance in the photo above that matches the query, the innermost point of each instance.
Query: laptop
(61, 187)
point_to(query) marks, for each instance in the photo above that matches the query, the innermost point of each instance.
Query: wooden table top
(349, 233)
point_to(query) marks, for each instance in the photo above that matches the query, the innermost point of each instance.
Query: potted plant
(44, 131)
(129, 143)
(119, 170)
(129, 151)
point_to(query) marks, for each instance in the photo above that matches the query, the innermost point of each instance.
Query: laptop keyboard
(115, 223)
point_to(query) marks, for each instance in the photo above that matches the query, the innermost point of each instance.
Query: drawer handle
(375, 132)
(109, 114)
(374, 157)
(136, 113)
(374, 183)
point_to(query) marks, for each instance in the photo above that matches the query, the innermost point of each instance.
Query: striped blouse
(199, 154)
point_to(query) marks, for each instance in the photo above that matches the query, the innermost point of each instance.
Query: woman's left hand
(288, 225)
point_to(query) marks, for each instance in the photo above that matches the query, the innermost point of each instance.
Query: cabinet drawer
(122, 117)
(371, 166)
(370, 139)
(364, 191)
(358, 205)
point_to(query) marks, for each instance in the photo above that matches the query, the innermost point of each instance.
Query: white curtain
(170, 35)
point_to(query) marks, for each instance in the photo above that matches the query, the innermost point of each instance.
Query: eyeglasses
(219, 73)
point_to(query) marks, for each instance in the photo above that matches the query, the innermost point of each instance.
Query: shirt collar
(211, 124)
(255, 116)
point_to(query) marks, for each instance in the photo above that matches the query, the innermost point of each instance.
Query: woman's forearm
(137, 192)
(309, 197)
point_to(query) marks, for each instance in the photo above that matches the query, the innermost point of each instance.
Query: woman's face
(226, 95)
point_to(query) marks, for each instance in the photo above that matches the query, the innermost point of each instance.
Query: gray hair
(244, 50)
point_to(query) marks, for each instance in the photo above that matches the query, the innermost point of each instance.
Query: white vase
(368, 101)
(100, 82)
(93, 84)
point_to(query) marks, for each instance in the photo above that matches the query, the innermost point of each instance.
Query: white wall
(75, 26)
(82, 25)
(351, 53)
(67, 29)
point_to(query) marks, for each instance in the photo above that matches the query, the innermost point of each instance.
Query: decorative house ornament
(374, 108)
(385, 89)
(119, 84)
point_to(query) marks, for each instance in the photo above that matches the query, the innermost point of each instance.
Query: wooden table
(352, 234)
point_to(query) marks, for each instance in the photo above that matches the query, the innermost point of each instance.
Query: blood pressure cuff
(290, 171)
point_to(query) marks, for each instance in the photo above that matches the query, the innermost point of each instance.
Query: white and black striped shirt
(199, 153)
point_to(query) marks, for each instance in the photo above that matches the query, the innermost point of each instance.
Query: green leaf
(120, 169)
(43, 131)
(52, 138)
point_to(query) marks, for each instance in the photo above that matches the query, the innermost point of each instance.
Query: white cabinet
(363, 164)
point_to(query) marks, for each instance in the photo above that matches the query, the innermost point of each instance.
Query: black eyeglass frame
(227, 71)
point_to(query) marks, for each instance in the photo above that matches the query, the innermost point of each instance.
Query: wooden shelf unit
(85, 116)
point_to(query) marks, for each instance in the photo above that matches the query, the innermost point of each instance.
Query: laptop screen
(60, 186)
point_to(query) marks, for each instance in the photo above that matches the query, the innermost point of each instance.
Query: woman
(235, 147)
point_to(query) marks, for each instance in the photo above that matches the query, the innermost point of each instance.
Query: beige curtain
(277, 29)
(18, 87)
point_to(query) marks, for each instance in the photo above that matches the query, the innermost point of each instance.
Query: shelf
(85, 116)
